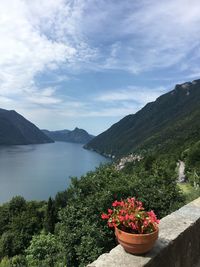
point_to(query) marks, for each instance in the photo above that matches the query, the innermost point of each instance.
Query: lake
(39, 171)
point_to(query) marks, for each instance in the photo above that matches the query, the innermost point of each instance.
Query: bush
(45, 250)
(83, 234)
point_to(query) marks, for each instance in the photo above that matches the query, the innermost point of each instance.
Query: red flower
(129, 215)
(122, 212)
(104, 216)
(126, 217)
(110, 211)
(121, 218)
(132, 225)
(110, 225)
(153, 216)
(116, 203)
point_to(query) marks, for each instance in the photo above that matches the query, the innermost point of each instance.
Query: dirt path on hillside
(181, 172)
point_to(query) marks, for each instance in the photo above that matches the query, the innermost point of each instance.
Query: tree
(5, 262)
(17, 205)
(45, 250)
(50, 217)
(19, 221)
(193, 165)
(7, 244)
(18, 261)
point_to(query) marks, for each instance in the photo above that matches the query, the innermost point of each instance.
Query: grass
(189, 191)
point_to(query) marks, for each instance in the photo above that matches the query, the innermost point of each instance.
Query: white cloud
(141, 36)
(92, 35)
(112, 103)
(100, 112)
(43, 100)
(139, 95)
(135, 37)
(112, 112)
(37, 35)
(32, 41)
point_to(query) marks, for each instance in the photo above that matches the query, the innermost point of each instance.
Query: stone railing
(178, 244)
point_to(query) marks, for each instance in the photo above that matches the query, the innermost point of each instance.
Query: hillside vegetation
(16, 130)
(170, 124)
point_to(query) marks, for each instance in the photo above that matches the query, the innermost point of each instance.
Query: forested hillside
(169, 124)
(16, 130)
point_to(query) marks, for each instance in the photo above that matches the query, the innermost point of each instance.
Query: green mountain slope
(75, 136)
(170, 123)
(16, 130)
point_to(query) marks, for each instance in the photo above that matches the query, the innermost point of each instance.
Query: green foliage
(4, 218)
(83, 234)
(168, 125)
(5, 262)
(17, 205)
(154, 183)
(80, 229)
(190, 193)
(19, 220)
(192, 159)
(50, 217)
(18, 261)
(7, 244)
(61, 199)
(45, 250)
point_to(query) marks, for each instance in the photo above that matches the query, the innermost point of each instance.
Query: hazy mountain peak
(75, 136)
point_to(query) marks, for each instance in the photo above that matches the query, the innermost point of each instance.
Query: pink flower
(104, 216)
(121, 218)
(126, 217)
(129, 215)
(116, 203)
(132, 225)
(110, 211)
(152, 216)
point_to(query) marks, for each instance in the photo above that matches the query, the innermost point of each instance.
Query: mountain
(16, 130)
(75, 136)
(170, 123)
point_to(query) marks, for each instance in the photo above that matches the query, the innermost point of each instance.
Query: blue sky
(88, 63)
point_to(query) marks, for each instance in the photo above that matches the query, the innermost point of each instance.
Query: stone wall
(178, 244)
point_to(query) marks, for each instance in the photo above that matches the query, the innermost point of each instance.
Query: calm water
(38, 171)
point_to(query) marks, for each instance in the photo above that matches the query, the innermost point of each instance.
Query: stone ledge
(178, 244)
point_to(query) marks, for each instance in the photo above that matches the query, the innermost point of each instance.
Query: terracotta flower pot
(136, 243)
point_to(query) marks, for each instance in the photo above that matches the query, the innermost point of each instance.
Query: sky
(89, 63)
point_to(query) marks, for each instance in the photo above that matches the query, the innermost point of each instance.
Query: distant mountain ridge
(16, 130)
(170, 123)
(75, 136)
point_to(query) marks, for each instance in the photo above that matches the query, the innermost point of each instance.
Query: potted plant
(135, 229)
